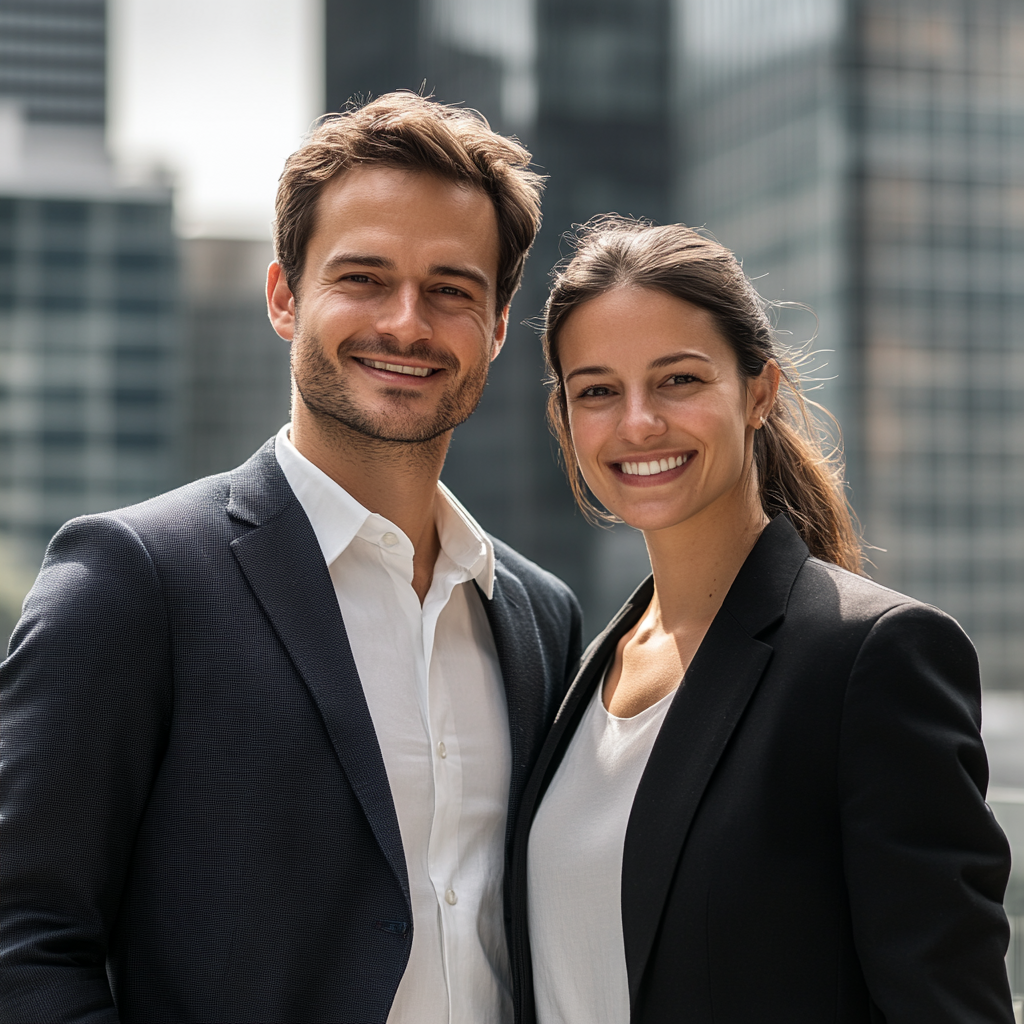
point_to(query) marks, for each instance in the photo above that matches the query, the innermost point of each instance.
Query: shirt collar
(337, 518)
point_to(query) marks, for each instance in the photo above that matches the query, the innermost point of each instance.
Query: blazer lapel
(591, 668)
(716, 689)
(517, 642)
(282, 561)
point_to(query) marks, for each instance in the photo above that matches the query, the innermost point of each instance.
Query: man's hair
(401, 129)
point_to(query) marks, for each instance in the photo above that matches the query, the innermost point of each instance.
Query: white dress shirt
(574, 867)
(435, 693)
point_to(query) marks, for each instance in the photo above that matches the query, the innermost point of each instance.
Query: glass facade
(940, 172)
(53, 59)
(88, 369)
(236, 376)
(867, 158)
(586, 86)
(762, 111)
(90, 397)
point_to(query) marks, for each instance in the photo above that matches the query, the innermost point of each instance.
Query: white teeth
(654, 467)
(411, 371)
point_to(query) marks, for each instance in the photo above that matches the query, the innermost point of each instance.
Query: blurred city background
(864, 157)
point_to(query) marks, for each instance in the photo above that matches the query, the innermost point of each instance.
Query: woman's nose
(640, 419)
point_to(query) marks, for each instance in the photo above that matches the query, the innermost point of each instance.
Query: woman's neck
(695, 562)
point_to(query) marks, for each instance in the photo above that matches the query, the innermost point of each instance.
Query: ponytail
(795, 476)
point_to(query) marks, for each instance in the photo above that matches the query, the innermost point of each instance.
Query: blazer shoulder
(823, 590)
(540, 584)
(191, 504)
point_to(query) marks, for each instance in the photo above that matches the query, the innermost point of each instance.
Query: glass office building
(89, 320)
(762, 116)
(940, 170)
(236, 377)
(88, 376)
(868, 157)
(53, 59)
(585, 86)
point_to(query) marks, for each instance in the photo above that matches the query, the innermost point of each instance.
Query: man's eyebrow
(357, 259)
(361, 259)
(655, 364)
(468, 273)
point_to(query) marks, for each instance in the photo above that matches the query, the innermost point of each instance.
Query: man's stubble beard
(324, 390)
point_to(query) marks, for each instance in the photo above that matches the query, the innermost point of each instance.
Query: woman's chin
(647, 517)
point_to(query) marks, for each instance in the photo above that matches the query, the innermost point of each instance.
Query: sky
(218, 92)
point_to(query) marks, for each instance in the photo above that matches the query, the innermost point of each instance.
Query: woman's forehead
(632, 326)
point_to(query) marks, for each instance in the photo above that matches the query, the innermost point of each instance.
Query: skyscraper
(585, 86)
(53, 59)
(89, 331)
(868, 157)
(235, 379)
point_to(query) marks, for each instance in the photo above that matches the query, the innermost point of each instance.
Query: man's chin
(385, 429)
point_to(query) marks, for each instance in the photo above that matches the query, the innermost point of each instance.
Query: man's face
(394, 324)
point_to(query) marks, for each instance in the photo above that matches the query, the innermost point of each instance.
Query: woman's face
(660, 418)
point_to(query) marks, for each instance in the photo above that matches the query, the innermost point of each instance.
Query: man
(264, 736)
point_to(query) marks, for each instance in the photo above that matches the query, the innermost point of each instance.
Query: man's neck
(396, 481)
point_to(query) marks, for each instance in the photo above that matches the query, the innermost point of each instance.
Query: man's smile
(407, 369)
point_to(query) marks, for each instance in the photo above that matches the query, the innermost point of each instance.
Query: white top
(436, 697)
(574, 867)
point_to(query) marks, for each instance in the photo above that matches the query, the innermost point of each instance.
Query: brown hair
(402, 129)
(794, 475)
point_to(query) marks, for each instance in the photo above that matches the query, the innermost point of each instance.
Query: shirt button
(442, 750)
(450, 898)
(390, 539)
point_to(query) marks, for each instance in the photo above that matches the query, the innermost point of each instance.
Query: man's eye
(447, 289)
(357, 278)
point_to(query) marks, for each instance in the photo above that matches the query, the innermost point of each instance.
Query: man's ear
(280, 302)
(500, 333)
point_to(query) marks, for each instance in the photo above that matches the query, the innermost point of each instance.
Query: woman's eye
(682, 378)
(597, 391)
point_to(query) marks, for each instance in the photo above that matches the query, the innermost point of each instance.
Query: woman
(763, 797)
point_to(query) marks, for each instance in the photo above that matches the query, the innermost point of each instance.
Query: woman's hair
(794, 475)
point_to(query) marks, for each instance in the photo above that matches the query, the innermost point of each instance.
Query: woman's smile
(651, 470)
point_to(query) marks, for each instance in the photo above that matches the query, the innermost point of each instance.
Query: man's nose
(403, 315)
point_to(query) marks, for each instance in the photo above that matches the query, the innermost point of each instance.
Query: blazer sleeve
(926, 863)
(85, 701)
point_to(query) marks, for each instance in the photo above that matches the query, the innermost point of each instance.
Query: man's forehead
(405, 217)
(378, 188)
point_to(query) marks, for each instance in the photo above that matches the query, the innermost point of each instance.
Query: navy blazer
(195, 818)
(809, 841)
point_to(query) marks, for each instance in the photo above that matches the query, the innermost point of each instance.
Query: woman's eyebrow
(655, 364)
(675, 357)
(584, 371)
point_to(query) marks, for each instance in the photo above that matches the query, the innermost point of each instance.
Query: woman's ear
(762, 391)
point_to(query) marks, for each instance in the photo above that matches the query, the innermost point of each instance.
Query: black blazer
(195, 818)
(810, 841)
